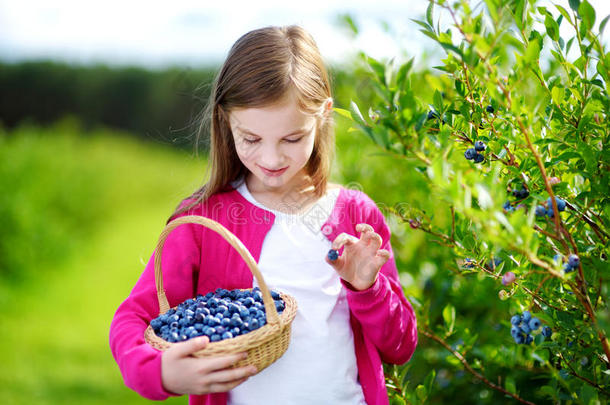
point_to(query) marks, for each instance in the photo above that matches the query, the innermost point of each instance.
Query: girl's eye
(251, 141)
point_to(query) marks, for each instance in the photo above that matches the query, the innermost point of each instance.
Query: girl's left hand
(361, 259)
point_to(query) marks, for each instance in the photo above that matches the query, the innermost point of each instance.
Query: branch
(469, 368)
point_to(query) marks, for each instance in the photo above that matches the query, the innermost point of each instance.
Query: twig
(469, 368)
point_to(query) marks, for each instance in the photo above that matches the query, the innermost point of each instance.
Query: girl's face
(274, 143)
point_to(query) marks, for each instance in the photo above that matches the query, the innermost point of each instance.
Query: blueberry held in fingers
(333, 254)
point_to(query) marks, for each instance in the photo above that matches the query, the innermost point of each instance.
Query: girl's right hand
(182, 373)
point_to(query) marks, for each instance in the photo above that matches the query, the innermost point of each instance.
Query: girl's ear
(327, 107)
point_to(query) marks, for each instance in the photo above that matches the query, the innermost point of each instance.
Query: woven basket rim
(246, 341)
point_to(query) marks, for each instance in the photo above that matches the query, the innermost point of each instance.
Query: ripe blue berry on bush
(219, 315)
(522, 327)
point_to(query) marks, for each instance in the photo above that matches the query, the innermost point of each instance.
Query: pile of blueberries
(541, 210)
(473, 153)
(219, 315)
(523, 325)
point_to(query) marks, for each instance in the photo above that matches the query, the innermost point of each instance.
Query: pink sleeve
(387, 318)
(139, 363)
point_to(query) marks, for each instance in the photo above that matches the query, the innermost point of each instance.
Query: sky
(157, 34)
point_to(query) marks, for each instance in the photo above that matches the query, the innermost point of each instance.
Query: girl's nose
(271, 158)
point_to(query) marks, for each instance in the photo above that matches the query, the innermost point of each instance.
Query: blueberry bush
(509, 140)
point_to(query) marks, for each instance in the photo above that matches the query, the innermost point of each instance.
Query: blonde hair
(262, 67)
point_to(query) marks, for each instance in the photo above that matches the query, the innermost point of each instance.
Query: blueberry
(540, 211)
(478, 158)
(333, 254)
(275, 295)
(522, 193)
(215, 337)
(258, 295)
(534, 323)
(525, 328)
(249, 302)
(514, 330)
(490, 109)
(528, 339)
(254, 324)
(561, 204)
(573, 260)
(227, 335)
(515, 320)
(546, 331)
(550, 212)
(432, 114)
(519, 339)
(507, 207)
(479, 146)
(527, 316)
(470, 153)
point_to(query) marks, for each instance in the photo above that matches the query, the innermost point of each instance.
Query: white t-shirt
(319, 366)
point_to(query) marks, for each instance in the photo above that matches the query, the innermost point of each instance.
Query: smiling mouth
(274, 172)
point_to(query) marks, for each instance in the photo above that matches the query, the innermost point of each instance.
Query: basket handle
(272, 316)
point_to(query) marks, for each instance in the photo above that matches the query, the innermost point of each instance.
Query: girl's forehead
(278, 119)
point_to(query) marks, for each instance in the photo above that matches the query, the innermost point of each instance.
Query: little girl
(271, 148)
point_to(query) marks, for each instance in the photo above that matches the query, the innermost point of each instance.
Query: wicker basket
(263, 345)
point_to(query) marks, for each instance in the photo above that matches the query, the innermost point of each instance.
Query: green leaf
(346, 20)
(602, 25)
(552, 28)
(343, 113)
(438, 101)
(587, 13)
(377, 67)
(358, 117)
(403, 74)
(519, 13)
(564, 13)
(429, 13)
(532, 53)
(421, 393)
(557, 94)
(574, 4)
(430, 380)
(449, 317)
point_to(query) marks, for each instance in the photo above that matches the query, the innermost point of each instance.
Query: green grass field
(55, 320)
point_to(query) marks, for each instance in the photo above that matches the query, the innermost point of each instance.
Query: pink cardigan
(382, 320)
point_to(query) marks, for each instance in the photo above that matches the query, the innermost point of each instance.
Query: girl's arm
(140, 364)
(376, 298)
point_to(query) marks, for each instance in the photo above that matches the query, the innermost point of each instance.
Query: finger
(382, 257)
(230, 375)
(189, 347)
(372, 239)
(343, 239)
(224, 387)
(222, 362)
(364, 228)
